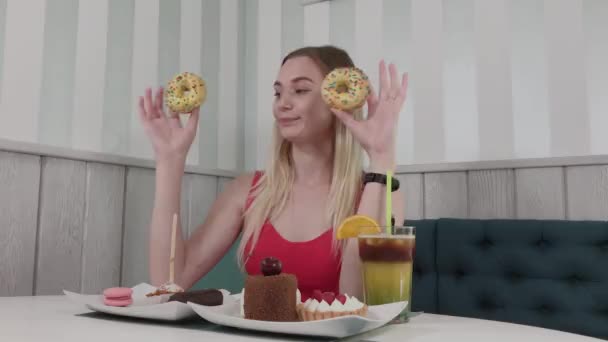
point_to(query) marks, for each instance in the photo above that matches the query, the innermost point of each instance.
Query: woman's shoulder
(243, 182)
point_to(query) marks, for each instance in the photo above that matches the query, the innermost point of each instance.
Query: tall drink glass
(387, 264)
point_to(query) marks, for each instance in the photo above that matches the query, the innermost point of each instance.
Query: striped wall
(71, 72)
(81, 224)
(490, 79)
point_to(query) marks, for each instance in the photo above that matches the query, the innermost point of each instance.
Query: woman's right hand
(169, 139)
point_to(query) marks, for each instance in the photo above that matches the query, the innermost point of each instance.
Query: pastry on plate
(207, 297)
(324, 305)
(272, 296)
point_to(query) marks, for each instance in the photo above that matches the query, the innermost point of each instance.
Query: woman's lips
(287, 121)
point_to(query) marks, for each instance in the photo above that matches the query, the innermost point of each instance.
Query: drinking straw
(389, 204)
(172, 258)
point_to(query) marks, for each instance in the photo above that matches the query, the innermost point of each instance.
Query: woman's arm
(197, 255)
(372, 204)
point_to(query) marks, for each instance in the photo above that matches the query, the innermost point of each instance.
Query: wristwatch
(380, 178)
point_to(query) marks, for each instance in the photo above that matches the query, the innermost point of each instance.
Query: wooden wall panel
(540, 193)
(102, 248)
(491, 194)
(139, 201)
(62, 203)
(201, 195)
(412, 186)
(19, 189)
(587, 191)
(445, 195)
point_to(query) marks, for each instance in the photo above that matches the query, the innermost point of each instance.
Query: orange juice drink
(387, 264)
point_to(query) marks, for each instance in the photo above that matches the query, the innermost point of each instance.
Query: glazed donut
(185, 92)
(345, 88)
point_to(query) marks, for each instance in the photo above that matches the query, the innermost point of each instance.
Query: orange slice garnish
(357, 225)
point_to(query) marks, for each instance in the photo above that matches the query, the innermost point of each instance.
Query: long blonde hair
(272, 190)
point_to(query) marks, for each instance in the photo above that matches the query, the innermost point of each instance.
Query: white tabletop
(54, 318)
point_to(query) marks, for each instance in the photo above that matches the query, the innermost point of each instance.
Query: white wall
(490, 79)
(71, 71)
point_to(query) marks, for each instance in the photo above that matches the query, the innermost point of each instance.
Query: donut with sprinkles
(185, 92)
(345, 88)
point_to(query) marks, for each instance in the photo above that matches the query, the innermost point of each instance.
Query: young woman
(313, 181)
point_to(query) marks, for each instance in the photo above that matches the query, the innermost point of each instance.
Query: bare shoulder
(237, 190)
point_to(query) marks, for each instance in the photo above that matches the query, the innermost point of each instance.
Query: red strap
(256, 177)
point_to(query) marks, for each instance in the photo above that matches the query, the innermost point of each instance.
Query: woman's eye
(301, 91)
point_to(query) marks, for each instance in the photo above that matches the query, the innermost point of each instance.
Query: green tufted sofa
(546, 273)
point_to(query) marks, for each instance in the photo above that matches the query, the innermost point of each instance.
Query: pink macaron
(118, 296)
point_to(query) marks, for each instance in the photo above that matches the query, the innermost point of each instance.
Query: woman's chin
(290, 133)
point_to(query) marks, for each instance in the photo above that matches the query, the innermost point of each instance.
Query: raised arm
(196, 256)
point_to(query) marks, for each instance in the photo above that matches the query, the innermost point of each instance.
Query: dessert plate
(339, 327)
(153, 308)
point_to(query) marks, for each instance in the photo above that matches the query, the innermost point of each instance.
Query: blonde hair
(272, 190)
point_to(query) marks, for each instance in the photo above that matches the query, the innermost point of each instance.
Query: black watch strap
(372, 177)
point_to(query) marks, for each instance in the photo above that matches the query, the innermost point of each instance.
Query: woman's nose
(285, 103)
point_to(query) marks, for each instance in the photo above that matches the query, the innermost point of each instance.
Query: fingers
(143, 115)
(174, 120)
(404, 85)
(348, 120)
(158, 103)
(384, 82)
(148, 105)
(372, 102)
(394, 92)
(192, 123)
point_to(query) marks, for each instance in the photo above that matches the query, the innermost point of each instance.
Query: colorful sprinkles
(345, 88)
(185, 92)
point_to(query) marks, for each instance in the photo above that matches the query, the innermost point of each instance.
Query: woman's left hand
(377, 134)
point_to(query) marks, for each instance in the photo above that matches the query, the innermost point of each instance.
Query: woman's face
(299, 110)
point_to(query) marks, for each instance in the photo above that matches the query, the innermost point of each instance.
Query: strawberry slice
(341, 298)
(329, 297)
(318, 295)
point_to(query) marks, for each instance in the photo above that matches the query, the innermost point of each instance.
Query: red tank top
(312, 262)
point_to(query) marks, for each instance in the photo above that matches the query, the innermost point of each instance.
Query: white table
(54, 318)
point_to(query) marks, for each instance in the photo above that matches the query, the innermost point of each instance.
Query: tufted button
(487, 304)
(459, 273)
(542, 243)
(575, 279)
(485, 243)
(545, 309)
(602, 246)
(513, 276)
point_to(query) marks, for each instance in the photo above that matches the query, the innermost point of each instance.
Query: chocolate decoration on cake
(207, 297)
(271, 266)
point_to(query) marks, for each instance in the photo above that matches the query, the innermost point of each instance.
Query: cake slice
(324, 305)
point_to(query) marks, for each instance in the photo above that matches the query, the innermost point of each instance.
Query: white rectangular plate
(154, 308)
(339, 327)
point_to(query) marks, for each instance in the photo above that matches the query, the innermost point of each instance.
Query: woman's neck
(313, 163)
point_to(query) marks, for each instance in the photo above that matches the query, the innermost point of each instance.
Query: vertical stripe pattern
(144, 69)
(90, 74)
(58, 70)
(227, 148)
(595, 15)
(493, 79)
(316, 24)
(459, 81)
(566, 75)
(117, 109)
(489, 79)
(190, 54)
(268, 62)
(529, 79)
(210, 60)
(22, 69)
(426, 81)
